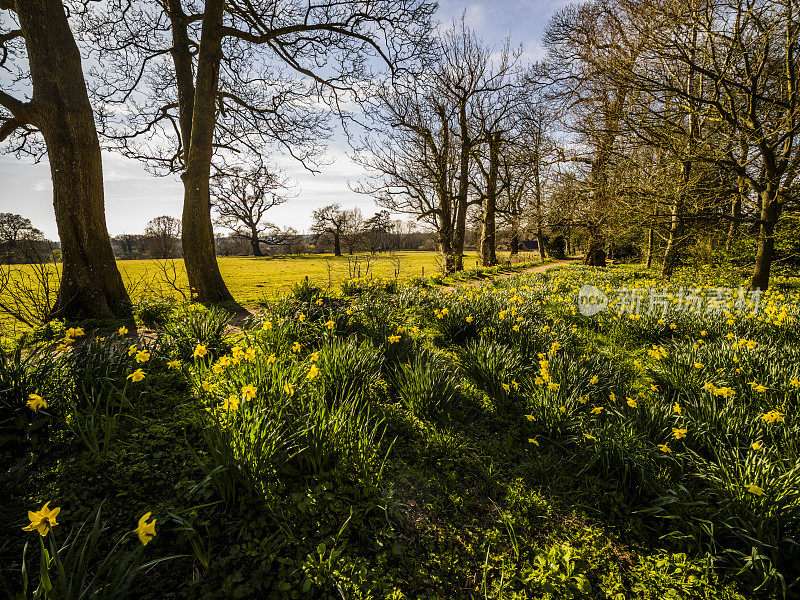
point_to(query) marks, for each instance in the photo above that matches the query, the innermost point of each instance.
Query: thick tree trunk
(595, 248)
(255, 244)
(91, 285)
(199, 253)
(770, 211)
(337, 245)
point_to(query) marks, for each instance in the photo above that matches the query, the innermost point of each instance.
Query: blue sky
(133, 196)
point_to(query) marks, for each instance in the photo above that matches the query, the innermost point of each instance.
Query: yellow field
(253, 279)
(250, 279)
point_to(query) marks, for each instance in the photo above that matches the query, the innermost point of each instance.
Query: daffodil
(250, 354)
(231, 402)
(533, 441)
(122, 330)
(267, 325)
(755, 490)
(773, 416)
(272, 359)
(678, 433)
(142, 356)
(74, 332)
(289, 389)
(137, 376)
(199, 351)
(144, 530)
(174, 364)
(594, 379)
(757, 445)
(631, 402)
(42, 520)
(296, 347)
(589, 436)
(665, 448)
(249, 391)
(312, 372)
(596, 410)
(676, 408)
(393, 339)
(470, 319)
(330, 325)
(35, 402)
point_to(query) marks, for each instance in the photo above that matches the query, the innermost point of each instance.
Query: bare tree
(331, 220)
(242, 198)
(734, 65)
(162, 237)
(60, 111)
(227, 93)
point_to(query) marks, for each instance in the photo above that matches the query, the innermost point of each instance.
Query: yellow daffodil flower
(144, 530)
(42, 520)
(35, 402)
(137, 376)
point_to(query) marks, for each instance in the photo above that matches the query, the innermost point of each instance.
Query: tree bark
(337, 245)
(255, 243)
(770, 212)
(91, 285)
(199, 252)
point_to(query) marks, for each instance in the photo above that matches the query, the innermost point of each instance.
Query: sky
(133, 196)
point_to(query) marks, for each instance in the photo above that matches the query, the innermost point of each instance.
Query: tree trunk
(460, 225)
(540, 242)
(736, 213)
(337, 245)
(770, 211)
(199, 253)
(649, 262)
(595, 253)
(91, 285)
(181, 52)
(488, 234)
(255, 243)
(514, 242)
(676, 225)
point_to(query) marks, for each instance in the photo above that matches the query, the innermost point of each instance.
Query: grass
(481, 441)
